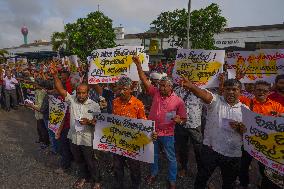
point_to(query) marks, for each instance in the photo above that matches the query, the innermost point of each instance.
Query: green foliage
(85, 35)
(204, 24)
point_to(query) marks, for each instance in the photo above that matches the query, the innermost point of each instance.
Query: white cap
(155, 75)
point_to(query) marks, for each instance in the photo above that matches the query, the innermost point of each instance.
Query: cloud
(43, 17)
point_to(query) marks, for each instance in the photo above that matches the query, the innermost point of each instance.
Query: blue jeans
(168, 143)
(53, 141)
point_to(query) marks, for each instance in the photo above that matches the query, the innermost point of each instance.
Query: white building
(247, 38)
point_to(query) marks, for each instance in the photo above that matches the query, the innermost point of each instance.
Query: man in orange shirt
(128, 106)
(260, 104)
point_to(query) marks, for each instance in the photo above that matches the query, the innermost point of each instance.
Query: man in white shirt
(9, 84)
(222, 135)
(81, 133)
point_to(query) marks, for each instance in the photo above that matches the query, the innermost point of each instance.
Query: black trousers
(42, 132)
(209, 161)
(87, 162)
(64, 149)
(135, 172)
(185, 136)
(244, 170)
(268, 184)
(10, 94)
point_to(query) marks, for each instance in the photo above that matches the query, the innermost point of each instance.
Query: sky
(43, 17)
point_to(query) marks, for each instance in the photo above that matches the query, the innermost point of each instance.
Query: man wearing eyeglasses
(260, 104)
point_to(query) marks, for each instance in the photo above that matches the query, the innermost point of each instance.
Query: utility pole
(188, 45)
(98, 7)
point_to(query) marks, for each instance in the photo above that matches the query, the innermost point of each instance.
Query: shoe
(8, 109)
(172, 185)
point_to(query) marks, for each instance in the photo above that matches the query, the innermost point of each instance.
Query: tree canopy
(204, 24)
(85, 35)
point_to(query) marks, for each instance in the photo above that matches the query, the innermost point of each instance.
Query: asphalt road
(23, 165)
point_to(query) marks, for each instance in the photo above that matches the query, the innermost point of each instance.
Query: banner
(264, 139)
(124, 136)
(202, 67)
(108, 65)
(57, 110)
(28, 92)
(263, 64)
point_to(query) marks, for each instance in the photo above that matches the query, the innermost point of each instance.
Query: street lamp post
(188, 25)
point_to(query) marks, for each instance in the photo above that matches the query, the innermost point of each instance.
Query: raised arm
(141, 74)
(57, 83)
(200, 93)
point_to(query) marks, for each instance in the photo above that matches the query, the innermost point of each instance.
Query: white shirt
(10, 83)
(225, 141)
(193, 107)
(77, 111)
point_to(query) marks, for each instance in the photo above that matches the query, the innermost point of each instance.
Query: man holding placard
(128, 106)
(222, 135)
(167, 110)
(261, 104)
(81, 132)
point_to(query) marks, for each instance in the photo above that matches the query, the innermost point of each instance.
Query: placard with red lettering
(202, 67)
(264, 64)
(264, 139)
(108, 65)
(124, 136)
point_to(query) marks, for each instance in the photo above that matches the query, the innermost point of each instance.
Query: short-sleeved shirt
(277, 98)
(268, 108)
(225, 141)
(162, 107)
(9, 83)
(78, 111)
(193, 107)
(134, 108)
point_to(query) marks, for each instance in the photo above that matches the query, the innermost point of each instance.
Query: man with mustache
(222, 135)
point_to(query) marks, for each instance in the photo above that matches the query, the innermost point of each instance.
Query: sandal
(79, 183)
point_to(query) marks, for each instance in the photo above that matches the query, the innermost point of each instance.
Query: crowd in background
(184, 114)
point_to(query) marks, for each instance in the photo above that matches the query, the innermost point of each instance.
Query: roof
(252, 28)
(31, 45)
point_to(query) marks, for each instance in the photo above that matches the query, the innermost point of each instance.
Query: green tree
(204, 24)
(85, 35)
(3, 54)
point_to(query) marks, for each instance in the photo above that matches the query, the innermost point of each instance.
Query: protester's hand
(221, 77)
(84, 121)
(281, 115)
(136, 60)
(177, 119)
(154, 136)
(93, 122)
(57, 135)
(240, 74)
(185, 83)
(239, 127)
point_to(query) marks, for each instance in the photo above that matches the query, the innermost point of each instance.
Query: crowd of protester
(183, 113)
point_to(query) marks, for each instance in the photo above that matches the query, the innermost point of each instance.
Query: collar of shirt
(88, 101)
(267, 102)
(237, 105)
